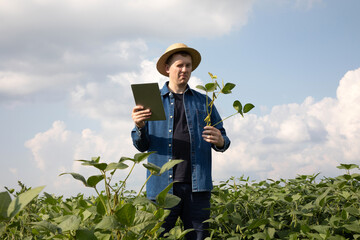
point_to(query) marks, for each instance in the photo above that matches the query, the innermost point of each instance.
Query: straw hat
(177, 47)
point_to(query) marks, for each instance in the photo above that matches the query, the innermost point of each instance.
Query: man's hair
(182, 53)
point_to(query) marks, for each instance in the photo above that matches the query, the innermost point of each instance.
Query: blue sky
(66, 69)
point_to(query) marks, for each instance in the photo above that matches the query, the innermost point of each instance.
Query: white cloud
(296, 138)
(18, 84)
(112, 100)
(68, 20)
(55, 151)
(14, 171)
(48, 47)
(53, 78)
(293, 139)
(53, 146)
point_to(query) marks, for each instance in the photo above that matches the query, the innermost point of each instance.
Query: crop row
(300, 208)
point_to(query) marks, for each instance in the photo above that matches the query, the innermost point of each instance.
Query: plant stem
(108, 194)
(123, 184)
(224, 119)
(102, 200)
(144, 184)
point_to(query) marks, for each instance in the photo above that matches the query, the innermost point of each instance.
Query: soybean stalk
(102, 200)
(144, 184)
(122, 187)
(224, 119)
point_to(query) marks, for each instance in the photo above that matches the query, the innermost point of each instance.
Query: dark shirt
(181, 142)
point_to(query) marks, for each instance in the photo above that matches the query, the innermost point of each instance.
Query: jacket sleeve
(140, 138)
(215, 118)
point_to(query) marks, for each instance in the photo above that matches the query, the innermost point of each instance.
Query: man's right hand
(139, 115)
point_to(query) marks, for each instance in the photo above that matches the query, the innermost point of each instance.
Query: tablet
(148, 95)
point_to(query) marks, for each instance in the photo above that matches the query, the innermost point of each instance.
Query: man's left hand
(213, 135)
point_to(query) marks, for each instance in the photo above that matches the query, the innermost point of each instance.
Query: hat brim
(195, 56)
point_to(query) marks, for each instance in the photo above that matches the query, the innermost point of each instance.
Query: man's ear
(167, 68)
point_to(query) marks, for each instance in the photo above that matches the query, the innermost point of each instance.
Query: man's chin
(185, 79)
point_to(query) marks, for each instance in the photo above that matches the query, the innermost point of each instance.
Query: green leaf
(227, 88)
(100, 166)
(108, 223)
(103, 236)
(353, 211)
(356, 176)
(85, 234)
(271, 232)
(201, 87)
(126, 214)
(248, 107)
(166, 200)
(288, 198)
(259, 235)
(5, 201)
(70, 223)
(155, 170)
(320, 228)
(77, 177)
(144, 221)
(354, 227)
(346, 176)
(118, 165)
(347, 166)
(210, 87)
(123, 159)
(170, 164)
(344, 214)
(49, 199)
(139, 157)
(257, 223)
(305, 228)
(46, 226)
(93, 180)
(100, 208)
(177, 233)
(142, 201)
(22, 200)
(320, 201)
(238, 107)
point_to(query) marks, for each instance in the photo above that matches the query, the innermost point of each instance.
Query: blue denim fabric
(157, 136)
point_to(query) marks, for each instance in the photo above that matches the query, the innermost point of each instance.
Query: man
(183, 135)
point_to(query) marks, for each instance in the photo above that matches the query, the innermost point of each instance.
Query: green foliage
(299, 208)
(215, 88)
(114, 214)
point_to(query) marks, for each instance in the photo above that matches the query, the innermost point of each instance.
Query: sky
(66, 69)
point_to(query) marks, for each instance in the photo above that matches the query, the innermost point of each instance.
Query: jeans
(193, 210)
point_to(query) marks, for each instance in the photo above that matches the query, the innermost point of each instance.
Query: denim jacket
(157, 136)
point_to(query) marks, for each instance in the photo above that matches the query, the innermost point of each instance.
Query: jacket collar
(165, 89)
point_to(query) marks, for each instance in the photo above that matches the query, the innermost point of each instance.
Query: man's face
(179, 69)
